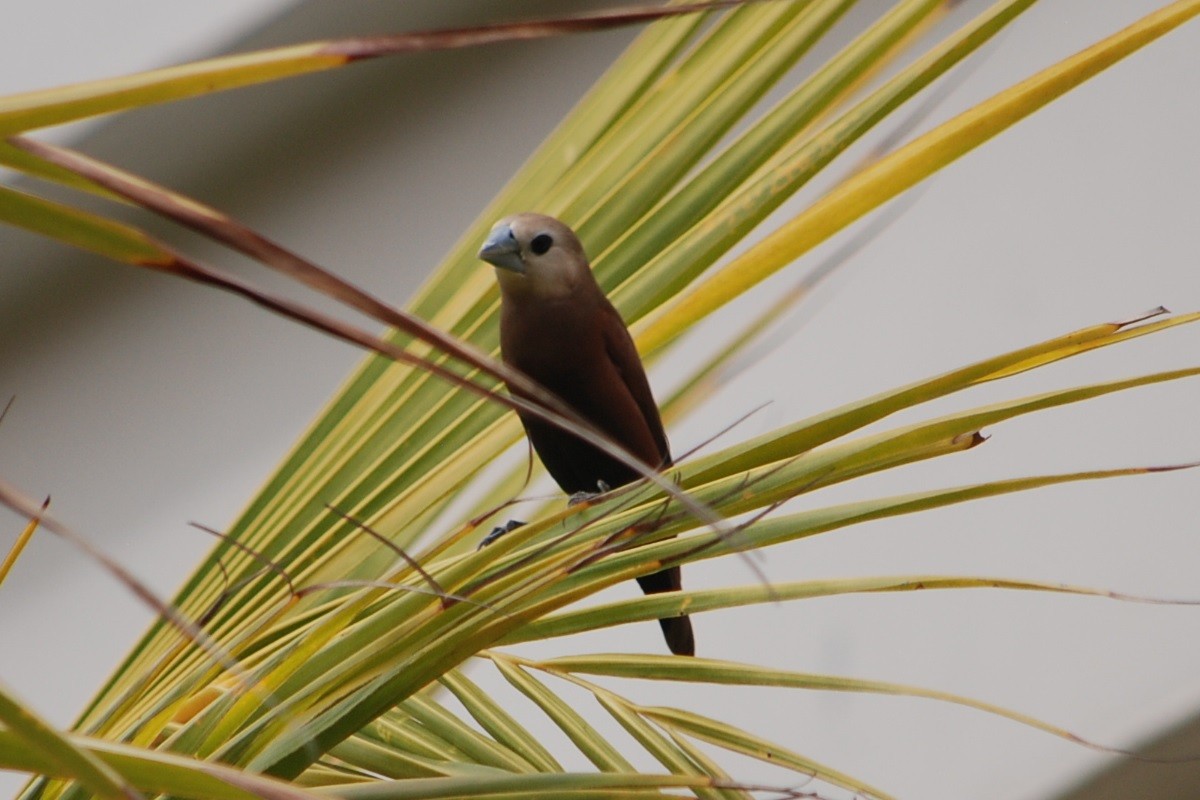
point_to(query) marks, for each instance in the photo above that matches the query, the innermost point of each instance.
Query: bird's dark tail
(678, 633)
(676, 630)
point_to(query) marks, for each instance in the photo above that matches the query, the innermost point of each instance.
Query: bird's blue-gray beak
(501, 249)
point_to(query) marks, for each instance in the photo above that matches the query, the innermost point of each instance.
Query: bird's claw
(499, 531)
(584, 497)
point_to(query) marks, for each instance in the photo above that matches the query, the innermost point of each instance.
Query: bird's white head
(536, 255)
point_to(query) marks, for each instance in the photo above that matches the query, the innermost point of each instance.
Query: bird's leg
(499, 531)
(583, 497)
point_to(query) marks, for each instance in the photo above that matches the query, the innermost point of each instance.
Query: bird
(558, 328)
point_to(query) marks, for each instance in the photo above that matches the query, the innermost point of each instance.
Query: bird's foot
(499, 531)
(583, 497)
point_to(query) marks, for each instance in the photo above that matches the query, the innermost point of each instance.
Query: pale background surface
(144, 402)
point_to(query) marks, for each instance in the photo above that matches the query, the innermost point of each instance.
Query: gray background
(143, 402)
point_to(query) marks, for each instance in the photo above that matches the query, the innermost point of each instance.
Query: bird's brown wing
(624, 356)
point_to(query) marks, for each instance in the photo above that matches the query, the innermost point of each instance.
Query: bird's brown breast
(563, 346)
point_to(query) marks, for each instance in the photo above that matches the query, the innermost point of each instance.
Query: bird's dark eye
(541, 243)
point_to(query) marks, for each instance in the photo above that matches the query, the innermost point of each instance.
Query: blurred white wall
(143, 402)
